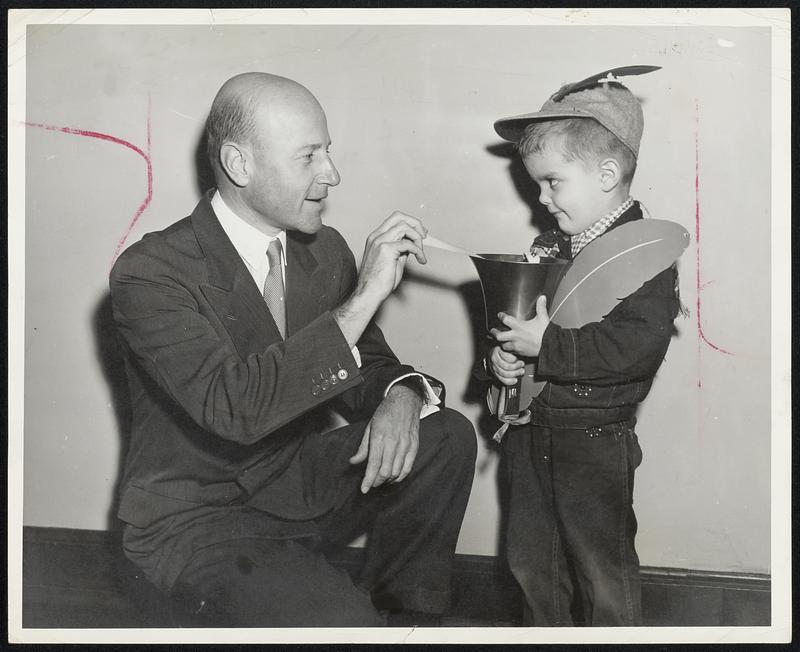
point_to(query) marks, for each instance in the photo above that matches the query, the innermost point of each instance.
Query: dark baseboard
(79, 579)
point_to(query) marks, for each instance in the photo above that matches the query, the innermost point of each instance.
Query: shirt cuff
(432, 401)
(357, 356)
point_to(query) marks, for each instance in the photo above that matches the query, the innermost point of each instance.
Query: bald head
(269, 145)
(233, 113)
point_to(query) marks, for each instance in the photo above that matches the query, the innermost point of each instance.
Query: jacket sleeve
(175, 342)
(379, 365)
(628, 344)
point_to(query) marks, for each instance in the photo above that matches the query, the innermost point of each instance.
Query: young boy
(571, 526)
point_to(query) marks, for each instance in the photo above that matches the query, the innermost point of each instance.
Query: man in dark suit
(243, 324)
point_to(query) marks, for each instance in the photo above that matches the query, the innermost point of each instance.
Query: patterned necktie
(273, 286)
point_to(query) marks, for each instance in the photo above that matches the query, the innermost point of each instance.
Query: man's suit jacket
(222, 406)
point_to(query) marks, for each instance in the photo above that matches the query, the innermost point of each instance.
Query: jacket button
(342, 373)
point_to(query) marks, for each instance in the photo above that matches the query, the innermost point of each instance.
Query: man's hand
(523, 337)
(506, 367)
(385, 255)
(391, 439)
(386, 252)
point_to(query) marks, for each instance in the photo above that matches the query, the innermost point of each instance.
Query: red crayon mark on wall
(145, 154)
(700, 284)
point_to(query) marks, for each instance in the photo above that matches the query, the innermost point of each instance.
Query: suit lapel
(230, 291)
(304, 293)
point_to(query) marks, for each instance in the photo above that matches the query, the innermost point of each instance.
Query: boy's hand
(523, 337)
(506, 367)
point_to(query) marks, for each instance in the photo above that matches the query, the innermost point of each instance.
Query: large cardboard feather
(613, 266)
(609, 269)
(606, 271)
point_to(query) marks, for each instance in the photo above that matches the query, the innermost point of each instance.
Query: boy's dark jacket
(598, 373)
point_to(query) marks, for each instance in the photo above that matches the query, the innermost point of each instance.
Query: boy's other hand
(523, 337)
(506, 367)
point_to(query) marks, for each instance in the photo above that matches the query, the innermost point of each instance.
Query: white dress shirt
(250, 243)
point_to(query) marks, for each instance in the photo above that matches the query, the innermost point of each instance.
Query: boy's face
(571, 190)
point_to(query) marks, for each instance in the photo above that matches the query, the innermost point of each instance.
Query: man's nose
(330, 175)
(544, 198)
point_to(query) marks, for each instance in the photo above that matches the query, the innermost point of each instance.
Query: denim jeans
(571, 526)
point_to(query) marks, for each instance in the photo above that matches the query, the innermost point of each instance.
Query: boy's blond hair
(580, 139)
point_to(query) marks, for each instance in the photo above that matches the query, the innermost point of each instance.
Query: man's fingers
(400, 216)
(391, 463)
(380, 463)
(412, 227)
(363, 447)
(403, 233)
(373, 465)
(397, 465)
(399, 248)
(408, 462)
(398, 232)
(414, 222)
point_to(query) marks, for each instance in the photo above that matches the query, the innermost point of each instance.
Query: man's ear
(233, 160)
(610, 174)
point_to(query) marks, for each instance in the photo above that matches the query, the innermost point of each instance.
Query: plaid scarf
(579, 241)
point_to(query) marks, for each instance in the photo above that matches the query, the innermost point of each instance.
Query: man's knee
(456, 432)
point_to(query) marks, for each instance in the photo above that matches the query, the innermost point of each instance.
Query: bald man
(244, 324)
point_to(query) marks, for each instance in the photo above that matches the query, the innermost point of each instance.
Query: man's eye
(552, 182)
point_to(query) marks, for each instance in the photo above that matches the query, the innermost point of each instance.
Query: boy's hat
(600, 96)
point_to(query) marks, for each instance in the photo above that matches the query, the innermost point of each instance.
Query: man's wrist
(353, 315)
(415, 384)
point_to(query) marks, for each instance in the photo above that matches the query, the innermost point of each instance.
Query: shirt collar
(583, 238)
(250, 243)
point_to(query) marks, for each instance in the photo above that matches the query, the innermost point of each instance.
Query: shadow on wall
(204, 173)
(526, 188)
(110, 348)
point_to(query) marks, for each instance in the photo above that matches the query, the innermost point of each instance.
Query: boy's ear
(610, 174)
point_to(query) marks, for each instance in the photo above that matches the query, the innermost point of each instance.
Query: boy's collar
(554, 243)
(580, 240)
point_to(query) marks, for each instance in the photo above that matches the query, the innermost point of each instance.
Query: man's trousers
(248, 579)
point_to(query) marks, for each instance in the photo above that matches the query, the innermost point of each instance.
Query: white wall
(410, 111)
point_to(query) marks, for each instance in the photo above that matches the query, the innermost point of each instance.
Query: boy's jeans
(571, 526)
